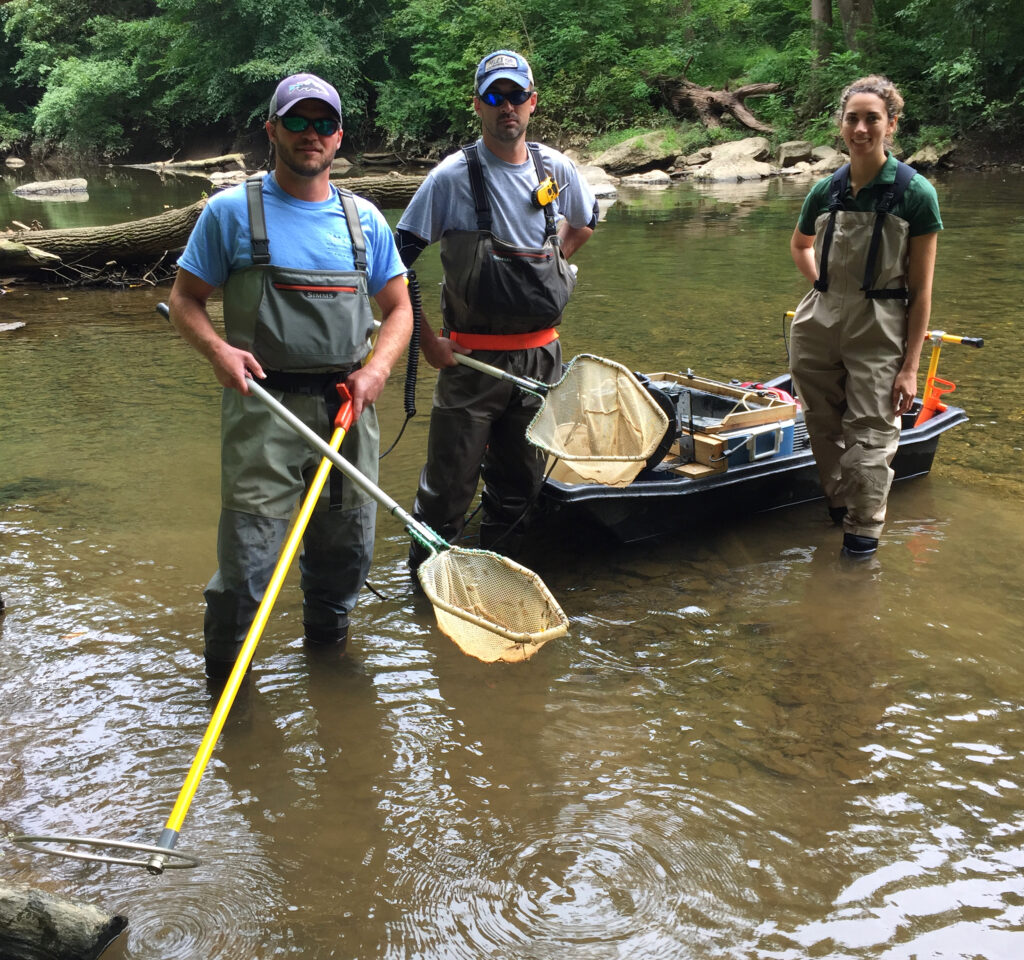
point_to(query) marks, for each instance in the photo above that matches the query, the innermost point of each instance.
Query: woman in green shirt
(857, 335)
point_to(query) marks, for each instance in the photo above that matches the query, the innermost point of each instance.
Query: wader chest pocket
(305, 320)
(508, 256)
(519, 288)
(296, 319)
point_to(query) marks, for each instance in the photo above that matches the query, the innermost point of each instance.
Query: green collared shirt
(919, 205)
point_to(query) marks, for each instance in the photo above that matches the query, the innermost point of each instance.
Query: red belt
(504, 341)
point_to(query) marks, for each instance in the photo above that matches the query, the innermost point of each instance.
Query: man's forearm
(572, 238)
(192, 322)
(393, 337)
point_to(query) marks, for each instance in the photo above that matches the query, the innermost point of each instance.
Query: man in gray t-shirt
(507, 214)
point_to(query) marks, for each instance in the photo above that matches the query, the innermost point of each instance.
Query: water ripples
(203, 914)
(743, 749)
(615, 883)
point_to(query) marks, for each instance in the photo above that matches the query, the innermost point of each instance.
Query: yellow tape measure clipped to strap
(545, 193)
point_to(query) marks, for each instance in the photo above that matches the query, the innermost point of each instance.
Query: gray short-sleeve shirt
(444, 201)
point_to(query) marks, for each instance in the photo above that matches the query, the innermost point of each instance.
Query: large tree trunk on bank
(389, 191)
(821, 21)
(711, 105)
(856, 16)
(35, 925)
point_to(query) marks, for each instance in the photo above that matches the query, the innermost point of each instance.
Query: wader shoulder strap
(476, 182)
(257, 220)
(837, 190)
(550, 230)
(355, 229)
(892, 195)
(888, 200)
(258, 224)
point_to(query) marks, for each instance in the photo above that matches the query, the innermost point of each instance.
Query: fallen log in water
(35, 925)
(91, 255)
(389, 191)
(226, 162)
(18, 257)
(136, 241)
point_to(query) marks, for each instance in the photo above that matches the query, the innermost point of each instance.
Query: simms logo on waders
(315, 293)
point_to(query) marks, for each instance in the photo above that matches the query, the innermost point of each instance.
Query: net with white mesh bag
(598, 423)
(490, 606)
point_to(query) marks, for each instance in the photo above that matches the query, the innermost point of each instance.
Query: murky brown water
(744, 748)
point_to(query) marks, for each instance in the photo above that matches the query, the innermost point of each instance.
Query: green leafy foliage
(14, 129)
(99, 76)
(82, 105)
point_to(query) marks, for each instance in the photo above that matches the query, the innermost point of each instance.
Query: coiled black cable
(412, 359)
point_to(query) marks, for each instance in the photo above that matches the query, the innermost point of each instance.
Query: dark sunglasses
(517, 98)
(325, 126)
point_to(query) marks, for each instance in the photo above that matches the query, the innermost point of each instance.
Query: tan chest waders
(848, 342)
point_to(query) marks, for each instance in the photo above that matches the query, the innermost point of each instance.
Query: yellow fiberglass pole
(169, 836)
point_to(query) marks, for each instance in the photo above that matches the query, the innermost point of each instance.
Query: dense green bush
(101, 75)
(14, 129)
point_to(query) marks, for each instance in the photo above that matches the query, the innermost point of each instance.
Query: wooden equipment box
(724, 407)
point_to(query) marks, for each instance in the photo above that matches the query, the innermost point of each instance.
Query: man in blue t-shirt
(297, 261)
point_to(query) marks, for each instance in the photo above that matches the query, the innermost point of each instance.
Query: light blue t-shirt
(303, 235)
(444, 201)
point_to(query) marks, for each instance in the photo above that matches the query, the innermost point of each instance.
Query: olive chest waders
(847, 345)
(309, 329)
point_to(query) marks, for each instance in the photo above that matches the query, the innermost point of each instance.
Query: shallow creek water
(744, 748)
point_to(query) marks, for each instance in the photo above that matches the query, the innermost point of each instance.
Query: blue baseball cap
(303, 86)
(503, 65)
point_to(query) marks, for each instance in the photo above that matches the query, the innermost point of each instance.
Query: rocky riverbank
(648, 160)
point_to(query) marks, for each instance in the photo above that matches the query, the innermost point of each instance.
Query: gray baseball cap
(503, 65)
(303, 86)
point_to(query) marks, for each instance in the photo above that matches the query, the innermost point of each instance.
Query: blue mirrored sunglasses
(517, 97)
(325, 126)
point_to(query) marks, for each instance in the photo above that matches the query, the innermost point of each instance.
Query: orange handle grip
(344, 418)
(931, 403)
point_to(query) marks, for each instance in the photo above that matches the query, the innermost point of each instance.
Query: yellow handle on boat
(935, 386)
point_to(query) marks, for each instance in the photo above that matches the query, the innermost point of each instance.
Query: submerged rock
(51, 188)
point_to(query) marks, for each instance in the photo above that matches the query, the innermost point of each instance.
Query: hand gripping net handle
(490, 606)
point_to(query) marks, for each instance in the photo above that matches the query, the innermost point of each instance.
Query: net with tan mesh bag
(598, 423)
(490, 606)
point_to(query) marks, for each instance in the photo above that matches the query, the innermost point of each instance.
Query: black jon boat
(709, 468)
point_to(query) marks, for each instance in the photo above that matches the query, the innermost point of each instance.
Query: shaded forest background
(135, 79)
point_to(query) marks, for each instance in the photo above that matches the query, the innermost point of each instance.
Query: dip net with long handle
(599, 422)
(490, 606)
